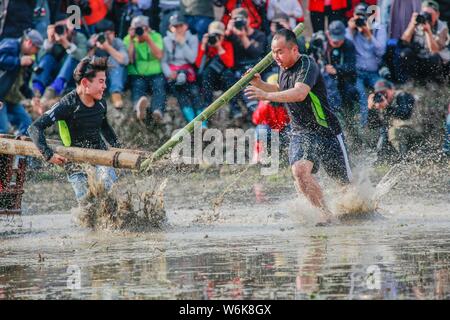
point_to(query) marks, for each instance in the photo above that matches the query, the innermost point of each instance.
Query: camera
(423, 18)
(278, 26)
(379, 97)
(139, 31)
(181, 78)
(361, 21)
(101, 38)
(240, 23)
(60, 29)
(317, 45)
(37, 69)
(212, 39)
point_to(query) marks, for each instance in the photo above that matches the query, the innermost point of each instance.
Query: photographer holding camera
(391, 112)
(370, 41)
(180, 52)
(424, 42)
(16, 55)
(249, 46)
(340, 67)
(214, 61)
(63, 49)
(145, 50)
(105, 44)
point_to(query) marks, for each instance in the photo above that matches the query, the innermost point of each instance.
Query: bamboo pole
(118, 158)
(216, 105)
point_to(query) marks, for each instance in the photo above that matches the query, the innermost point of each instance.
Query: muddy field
(256, 240)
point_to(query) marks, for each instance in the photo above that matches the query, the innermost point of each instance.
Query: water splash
(125, 206)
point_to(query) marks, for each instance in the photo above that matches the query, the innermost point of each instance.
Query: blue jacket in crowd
(9, 64)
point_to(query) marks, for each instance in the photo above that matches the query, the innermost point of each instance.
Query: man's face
(97, 86)
(284, 53)
(29, 49)
(179, 29)
(434, 14)
(110, 35)
(336, 43)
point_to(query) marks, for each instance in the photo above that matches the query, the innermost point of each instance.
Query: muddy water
(259, 247)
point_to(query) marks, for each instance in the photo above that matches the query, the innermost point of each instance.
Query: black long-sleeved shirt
(87, 125)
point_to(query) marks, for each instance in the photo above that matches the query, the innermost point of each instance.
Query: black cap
(337, 30)
(104, 25)
(361, 9)
(177, 19)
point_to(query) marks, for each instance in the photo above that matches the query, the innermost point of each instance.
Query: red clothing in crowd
(319, 5)
(99, 12)
(253, 14)
(227, 57)
(275, 117)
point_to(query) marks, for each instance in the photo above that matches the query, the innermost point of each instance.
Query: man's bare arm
(267, 87)
(296, 94)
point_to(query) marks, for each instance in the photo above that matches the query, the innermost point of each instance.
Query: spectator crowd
(365, 50)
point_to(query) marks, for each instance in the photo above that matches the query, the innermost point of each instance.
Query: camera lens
(240, 24)
(420, 19)
(60, 29)
(360, 22)
(378, 98)
(212, 39)
(139, 31)
(101, 38)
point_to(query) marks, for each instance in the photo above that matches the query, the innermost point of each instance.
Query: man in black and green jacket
(82, 122)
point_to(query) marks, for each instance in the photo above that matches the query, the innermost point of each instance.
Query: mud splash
(125, 207)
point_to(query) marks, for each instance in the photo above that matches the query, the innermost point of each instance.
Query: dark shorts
(328, 151)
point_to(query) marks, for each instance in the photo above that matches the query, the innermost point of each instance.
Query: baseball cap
(216, 27)
(177, 19)
(239, 13)
(431, 4)
(361, 9)
(104, 25)
(383, 85)
(35, 37)
(337, 30)
(140, 21)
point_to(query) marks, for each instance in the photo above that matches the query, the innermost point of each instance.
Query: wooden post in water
(216, 105)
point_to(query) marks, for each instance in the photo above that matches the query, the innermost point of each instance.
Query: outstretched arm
(296, 94)
(59, 112)
(267, 87)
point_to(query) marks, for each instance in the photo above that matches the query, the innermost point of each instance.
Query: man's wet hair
(89, 67)
(288, 35)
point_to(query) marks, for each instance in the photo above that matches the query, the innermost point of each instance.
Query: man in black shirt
(82, 122)
(316, 136)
